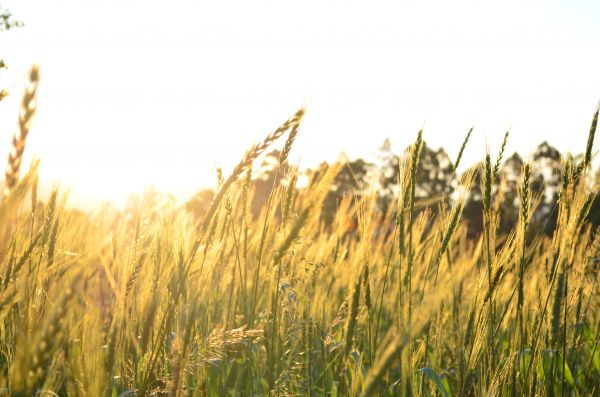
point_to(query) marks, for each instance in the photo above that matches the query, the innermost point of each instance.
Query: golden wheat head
(28, 108)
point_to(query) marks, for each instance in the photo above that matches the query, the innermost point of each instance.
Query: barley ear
(587, 159)
(247, 161)
(500, 155)
(28, 108)
(289, 142)
(525, 196)
(462, 149)
(352, 318)
(367, 282)
(590, 142)
(487, 184)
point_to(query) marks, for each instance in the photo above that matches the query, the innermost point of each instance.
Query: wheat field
(157, 302)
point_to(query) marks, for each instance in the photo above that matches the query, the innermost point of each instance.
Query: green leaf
(334, 390)
(587, 331)
(442, 385)
(567, 375)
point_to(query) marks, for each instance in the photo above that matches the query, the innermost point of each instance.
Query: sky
(138, 93)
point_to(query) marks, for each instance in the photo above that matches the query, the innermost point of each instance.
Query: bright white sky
(145, 92)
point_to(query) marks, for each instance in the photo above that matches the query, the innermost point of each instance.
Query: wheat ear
(28, 108)
(249, 157)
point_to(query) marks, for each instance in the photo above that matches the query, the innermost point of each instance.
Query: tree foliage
(7, 21)
(435, 187)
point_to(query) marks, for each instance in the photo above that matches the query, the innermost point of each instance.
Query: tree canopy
(435, 187)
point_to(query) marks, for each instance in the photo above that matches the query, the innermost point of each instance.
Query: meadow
(158, 302)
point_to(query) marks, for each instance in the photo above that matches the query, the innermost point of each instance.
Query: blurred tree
(6, 20)
(434, 176)
(6, 23)
(387, 175)
(200, 202)
(510, 174)
(594, 214)
(351, 180)
(544, 181)
(436, 183)
(546, 172)
(267, 175)
(472, 212)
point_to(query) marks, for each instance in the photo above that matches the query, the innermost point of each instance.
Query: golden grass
(154, 302)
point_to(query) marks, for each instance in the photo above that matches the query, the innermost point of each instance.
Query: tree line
(437, 185)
